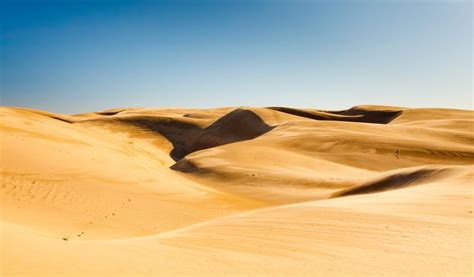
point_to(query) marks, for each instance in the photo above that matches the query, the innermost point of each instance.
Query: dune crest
(252, 191)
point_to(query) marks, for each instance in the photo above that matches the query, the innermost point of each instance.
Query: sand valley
(371, 190)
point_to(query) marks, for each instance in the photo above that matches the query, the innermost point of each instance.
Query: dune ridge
(365, 191)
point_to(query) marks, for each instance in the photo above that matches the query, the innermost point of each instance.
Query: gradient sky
(77, 56)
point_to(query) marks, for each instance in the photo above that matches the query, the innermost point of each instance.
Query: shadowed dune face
(238, 125)
(398, 180)
(353, 115)
(188, 136)
(178, 133)
(366, 191)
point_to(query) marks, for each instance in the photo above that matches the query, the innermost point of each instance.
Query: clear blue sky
(74, 56)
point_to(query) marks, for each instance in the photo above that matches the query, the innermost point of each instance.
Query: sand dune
(372, 190)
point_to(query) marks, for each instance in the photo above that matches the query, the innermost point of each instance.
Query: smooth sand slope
(371, 190)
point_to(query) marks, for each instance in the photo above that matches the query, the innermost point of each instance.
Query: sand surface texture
(372, 190)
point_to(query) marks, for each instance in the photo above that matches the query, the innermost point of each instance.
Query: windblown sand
(372, 190)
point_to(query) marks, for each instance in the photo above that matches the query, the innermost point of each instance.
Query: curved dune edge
(399, 179)
(253, 191)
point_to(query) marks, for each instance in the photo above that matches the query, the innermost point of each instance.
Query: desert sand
(372, 190)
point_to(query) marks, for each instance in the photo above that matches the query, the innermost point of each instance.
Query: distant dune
(372, 190)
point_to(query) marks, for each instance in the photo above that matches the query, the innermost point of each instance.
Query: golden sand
(372, 190)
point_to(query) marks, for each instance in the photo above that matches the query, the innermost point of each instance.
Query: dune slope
(370, 190)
